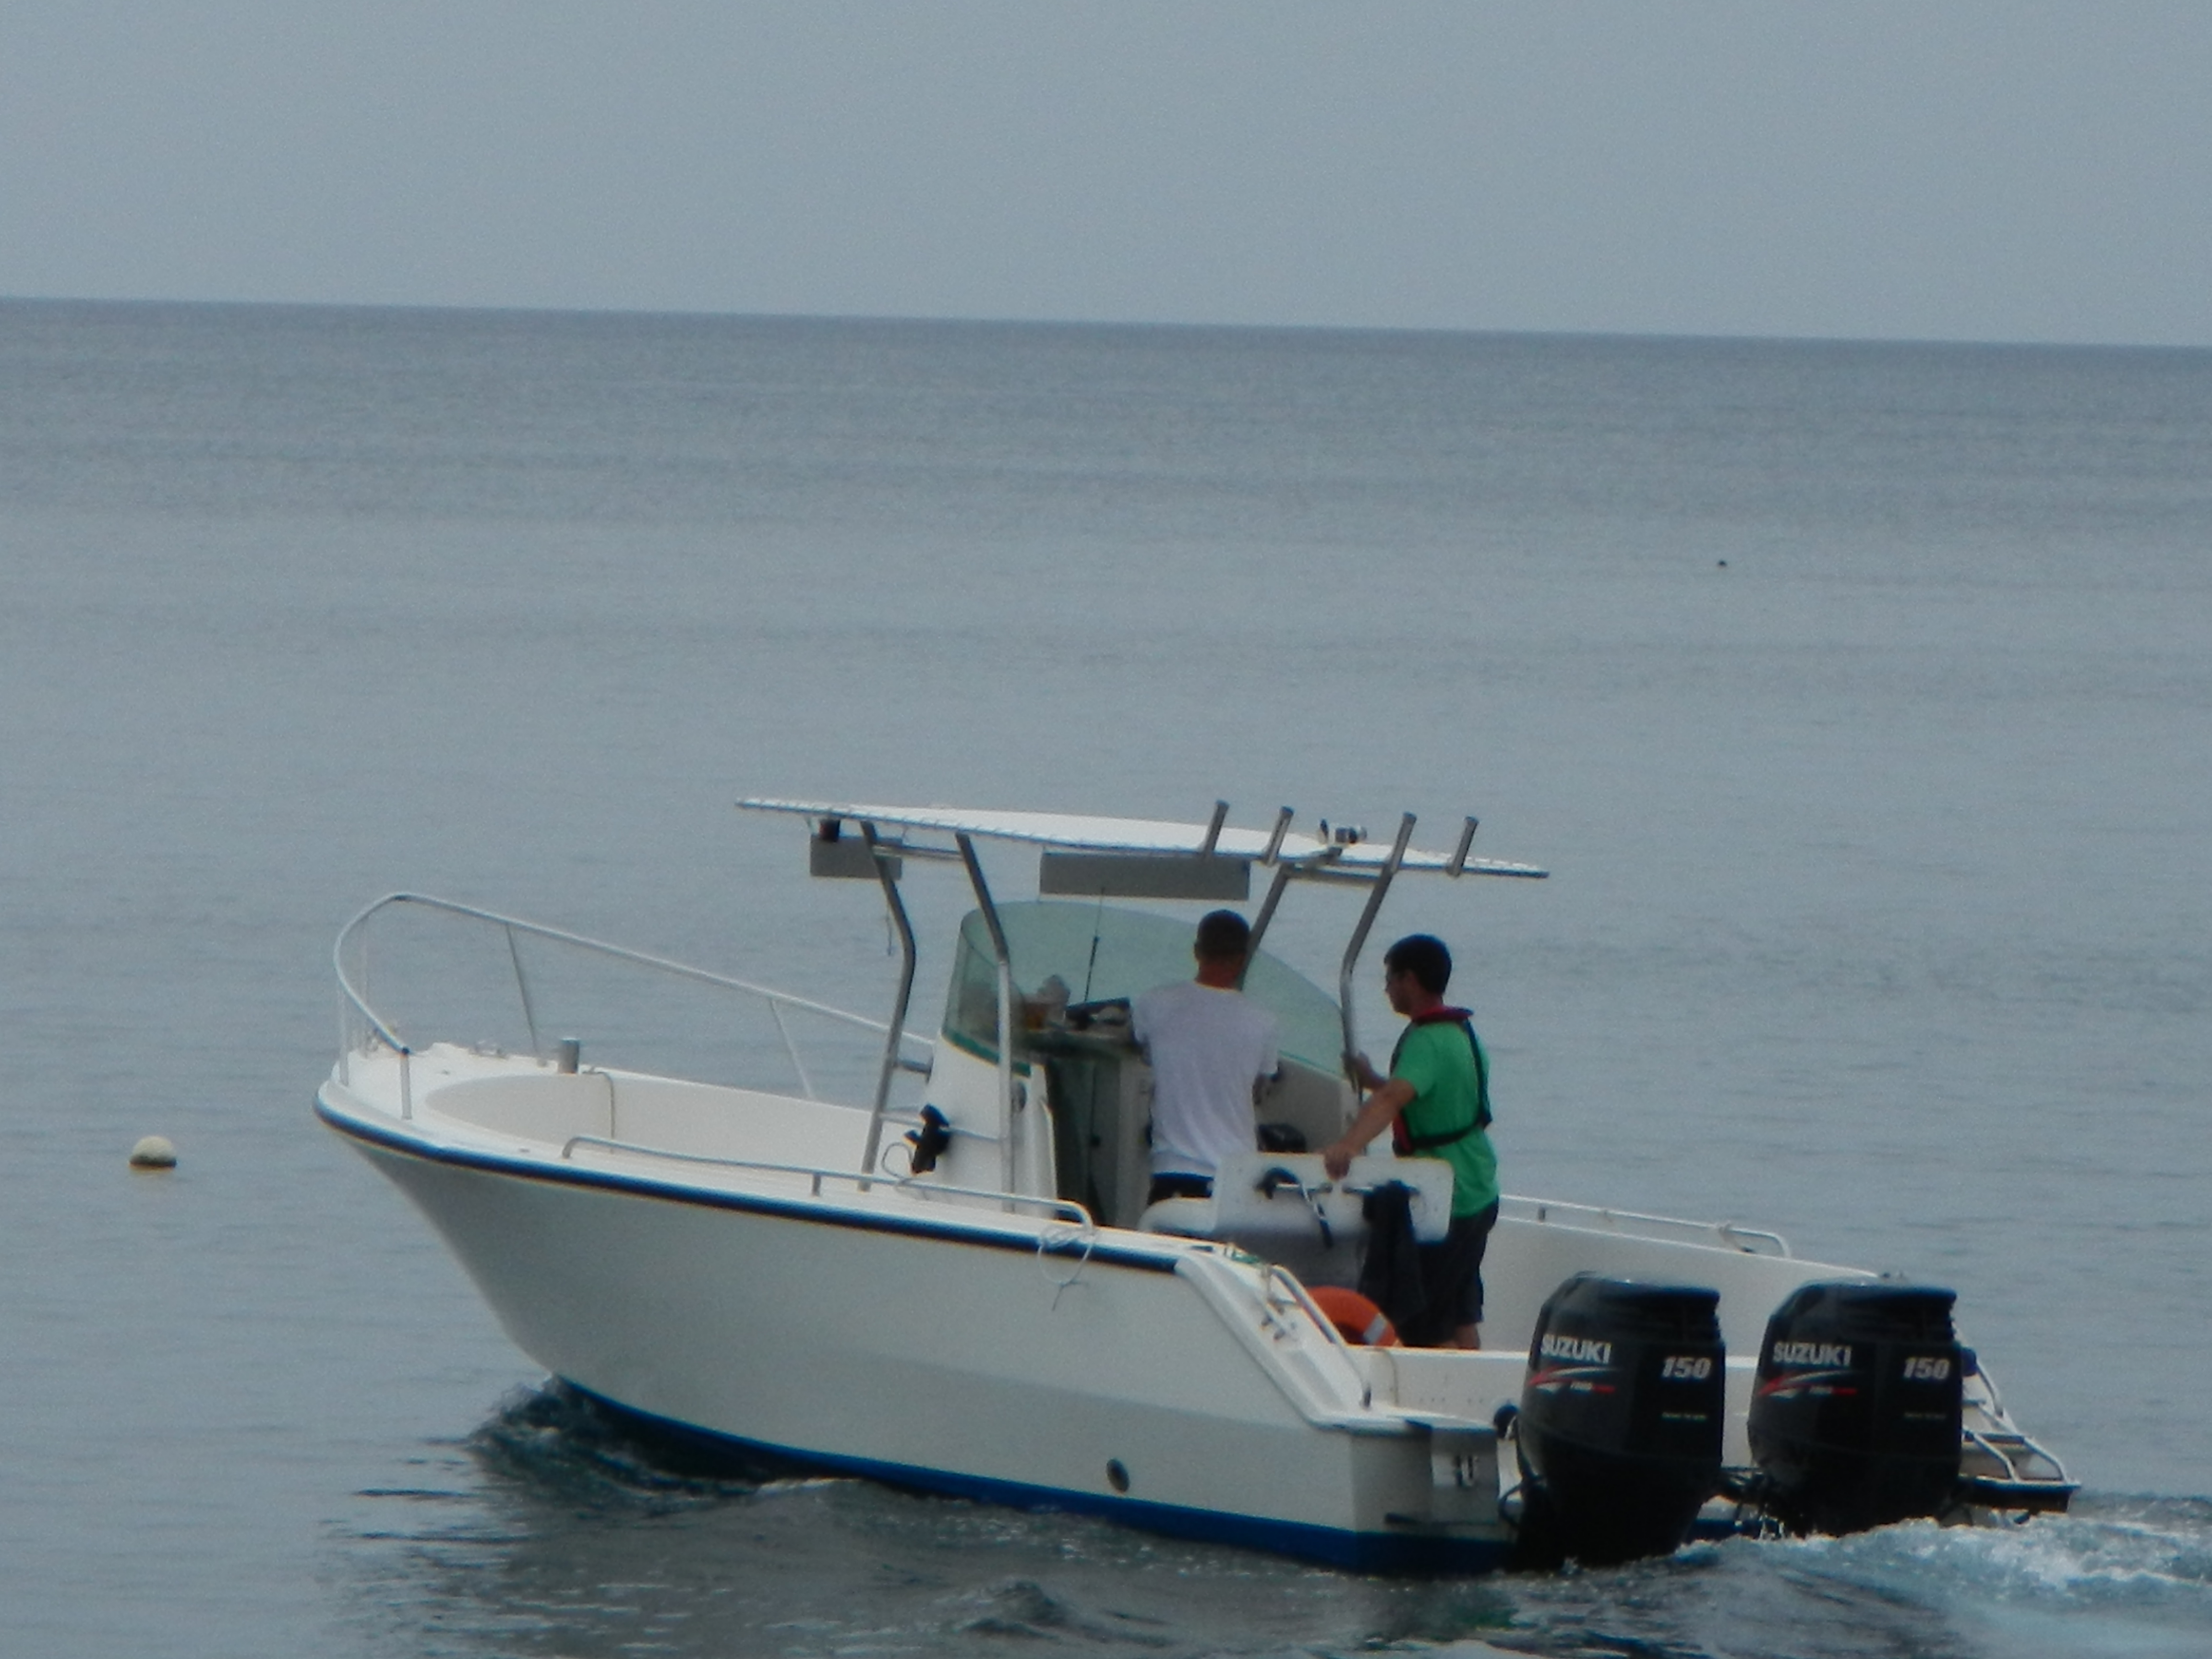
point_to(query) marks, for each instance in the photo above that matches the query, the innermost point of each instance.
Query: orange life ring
(1358, 1321)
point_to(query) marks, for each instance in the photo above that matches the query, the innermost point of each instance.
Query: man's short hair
(1424, 956)
(1222, 934)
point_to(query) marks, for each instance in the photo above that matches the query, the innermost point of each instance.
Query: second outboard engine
(1854, 1418)
(1620, 1426)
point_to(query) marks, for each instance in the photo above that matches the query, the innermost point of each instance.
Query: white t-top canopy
(1082, 833)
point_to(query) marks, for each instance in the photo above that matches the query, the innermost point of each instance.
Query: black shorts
(1451, 1278)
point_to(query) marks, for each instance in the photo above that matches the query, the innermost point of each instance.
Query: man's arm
(1270, 1067)
(1381, 1108)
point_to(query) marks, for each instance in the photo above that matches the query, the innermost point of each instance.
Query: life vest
(1404, 1140)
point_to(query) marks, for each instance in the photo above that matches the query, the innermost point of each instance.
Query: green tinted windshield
(1103, 953)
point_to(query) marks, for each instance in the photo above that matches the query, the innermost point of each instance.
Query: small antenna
(1097, 922)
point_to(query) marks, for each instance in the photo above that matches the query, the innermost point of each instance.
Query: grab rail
(1065, 1209)
(356, 999)
(1730, 1234)
(2008, 1448)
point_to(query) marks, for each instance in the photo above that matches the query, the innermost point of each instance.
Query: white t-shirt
(1207, 1046)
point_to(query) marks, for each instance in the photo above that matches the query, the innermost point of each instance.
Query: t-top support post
(1275, 888)
(1351, 950)
(897, 905)
(1006, 961)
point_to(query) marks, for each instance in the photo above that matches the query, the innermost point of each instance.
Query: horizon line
(1101, 324)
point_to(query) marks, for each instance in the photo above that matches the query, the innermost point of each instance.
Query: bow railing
(534, 987)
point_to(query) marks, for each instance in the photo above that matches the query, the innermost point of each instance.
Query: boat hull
(953, 1353)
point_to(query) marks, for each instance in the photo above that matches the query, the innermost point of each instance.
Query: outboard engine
(1620, 1426)
(1854, 1418)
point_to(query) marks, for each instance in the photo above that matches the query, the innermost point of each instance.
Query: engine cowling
(1855, 1418)
(1620, 1419)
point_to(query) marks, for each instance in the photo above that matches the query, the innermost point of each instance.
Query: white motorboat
(930, 1260)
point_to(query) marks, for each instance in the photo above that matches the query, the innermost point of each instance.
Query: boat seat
(1185, 1218)
(1259, 1202)
(1261, 1196)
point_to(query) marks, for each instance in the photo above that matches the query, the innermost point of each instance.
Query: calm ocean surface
(1859, 698)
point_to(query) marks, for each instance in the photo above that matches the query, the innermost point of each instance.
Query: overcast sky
(1983, 169)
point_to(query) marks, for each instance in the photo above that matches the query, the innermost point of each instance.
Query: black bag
(1391, 1276)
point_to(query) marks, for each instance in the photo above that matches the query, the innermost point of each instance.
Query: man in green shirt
(1436, 1103)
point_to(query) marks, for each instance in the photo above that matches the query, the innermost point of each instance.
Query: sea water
(1859, 698)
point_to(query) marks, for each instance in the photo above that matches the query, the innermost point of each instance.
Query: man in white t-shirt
(1213, 1048)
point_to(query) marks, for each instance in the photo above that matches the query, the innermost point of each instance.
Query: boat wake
(607, 1527)
(2118, 1575)
(558, 1440)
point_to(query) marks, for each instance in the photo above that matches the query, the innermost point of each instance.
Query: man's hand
(1363, 1072)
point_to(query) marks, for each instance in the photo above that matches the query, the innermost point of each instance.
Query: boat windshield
(1099, 953)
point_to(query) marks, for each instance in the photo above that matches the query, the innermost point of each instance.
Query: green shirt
(1440, 1062)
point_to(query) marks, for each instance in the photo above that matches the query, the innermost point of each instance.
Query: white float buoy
(154, 1152)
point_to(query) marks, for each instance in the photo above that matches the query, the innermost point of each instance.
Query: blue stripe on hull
(1356, 1550)
(814, 1214)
